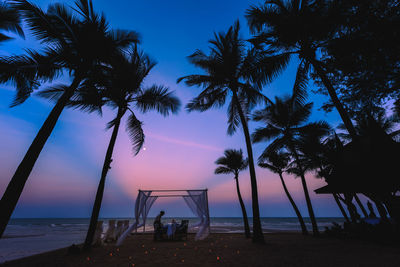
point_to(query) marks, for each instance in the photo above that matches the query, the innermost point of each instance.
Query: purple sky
(180, 150)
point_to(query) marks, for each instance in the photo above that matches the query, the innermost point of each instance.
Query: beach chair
(110, 234)
(120, 229)
(181, 230)
(97, 241)
(126, 225)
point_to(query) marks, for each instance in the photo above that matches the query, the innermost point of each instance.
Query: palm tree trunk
(244, 213)
(341, 207)
(364, 211)
(21, 175)
(332, 93)
(100, 188)
(306, 194)
(258, 236)
(301, 221)
(348, 200)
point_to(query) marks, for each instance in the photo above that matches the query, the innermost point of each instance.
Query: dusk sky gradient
(180, 149)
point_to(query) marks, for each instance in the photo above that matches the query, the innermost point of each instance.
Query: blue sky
(181, 149)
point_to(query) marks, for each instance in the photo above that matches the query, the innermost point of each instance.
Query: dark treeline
(349, 49)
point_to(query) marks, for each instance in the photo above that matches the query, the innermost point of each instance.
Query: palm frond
(223, 170)
(233, 118)
(265, 133)
(208, 99)
(299, 94)
(135, 131)
(10, 21)
(158, 98)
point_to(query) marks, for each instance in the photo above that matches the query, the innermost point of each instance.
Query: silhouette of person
(371, 210)
(157, 220)
(158, 226)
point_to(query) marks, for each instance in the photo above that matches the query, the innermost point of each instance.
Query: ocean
(25, 237)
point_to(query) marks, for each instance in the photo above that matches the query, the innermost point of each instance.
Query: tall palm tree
(123, 89)
(285, 122)
(77, 41)
(292, 27)
(9, 21)
(233, 162)
(232, 70)
(277, 162)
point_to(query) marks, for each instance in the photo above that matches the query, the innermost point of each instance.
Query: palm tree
(123, 89)
(76, 42)
(9, 21)
(231, 69)
(299, 28)
(285, 122)
(277, 162)
(233, 162)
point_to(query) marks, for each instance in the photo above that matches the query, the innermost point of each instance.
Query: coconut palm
(277, 162)
(232, 70)
(121, 85)
(285, 121)
(9, 21)
(233, 162)
(366, 120)
(76, 42)
(293, 27)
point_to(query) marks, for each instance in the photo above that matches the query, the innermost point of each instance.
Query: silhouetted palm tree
(277, 162)
(233, 162)
(365, 119)
(9, 21)
(123, 89)
(77, 42)
(297, 27)
(285, 122)
(231, 69)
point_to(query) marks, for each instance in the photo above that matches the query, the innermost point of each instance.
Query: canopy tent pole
(208, 211)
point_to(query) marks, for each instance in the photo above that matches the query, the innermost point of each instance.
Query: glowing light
(218, 258)
(144, 149)
(183, 260)
(110, 254)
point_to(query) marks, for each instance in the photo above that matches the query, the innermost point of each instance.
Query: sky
(180, 149)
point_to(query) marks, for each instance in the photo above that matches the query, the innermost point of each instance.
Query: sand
(281, 249)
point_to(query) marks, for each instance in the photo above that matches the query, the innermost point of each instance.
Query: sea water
(25, 237)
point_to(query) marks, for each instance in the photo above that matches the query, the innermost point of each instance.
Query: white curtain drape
(142, 206)
(198, 204)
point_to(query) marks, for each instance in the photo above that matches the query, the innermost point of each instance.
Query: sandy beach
(281, 249)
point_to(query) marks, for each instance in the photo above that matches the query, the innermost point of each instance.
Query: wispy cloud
(183, 142)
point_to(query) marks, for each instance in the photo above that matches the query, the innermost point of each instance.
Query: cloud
(183, 142)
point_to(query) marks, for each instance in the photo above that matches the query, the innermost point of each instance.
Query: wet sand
(281, 249)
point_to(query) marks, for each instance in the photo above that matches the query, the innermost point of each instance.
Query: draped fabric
(196, 200)
(142, 206)
(198, 203)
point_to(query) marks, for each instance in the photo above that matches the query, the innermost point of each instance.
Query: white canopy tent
(197, 201)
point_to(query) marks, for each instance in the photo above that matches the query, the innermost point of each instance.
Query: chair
(110, 234)
(120, 229)
(181, 230)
